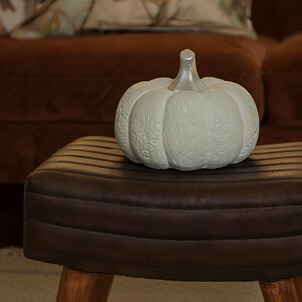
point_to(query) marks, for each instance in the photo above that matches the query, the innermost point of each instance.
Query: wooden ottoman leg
(279, 291)
(84, 287)
(298, 282)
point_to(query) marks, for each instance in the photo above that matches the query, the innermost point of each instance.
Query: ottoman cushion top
(91, 209)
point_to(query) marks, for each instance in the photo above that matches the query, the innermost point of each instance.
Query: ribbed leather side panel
(162, 223)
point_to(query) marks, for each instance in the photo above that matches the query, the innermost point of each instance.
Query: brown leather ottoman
(91, 210)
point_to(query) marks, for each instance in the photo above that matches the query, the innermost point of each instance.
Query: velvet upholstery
(283, 81)
(277, 18)
(70, 91)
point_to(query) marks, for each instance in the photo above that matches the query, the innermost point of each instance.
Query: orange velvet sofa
(55, 90)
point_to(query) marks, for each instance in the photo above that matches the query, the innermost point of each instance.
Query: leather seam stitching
(99, 202)
(249, 170)
(160, 181)
(159, 239)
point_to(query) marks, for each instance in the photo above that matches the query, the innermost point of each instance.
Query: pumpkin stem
(187, 77)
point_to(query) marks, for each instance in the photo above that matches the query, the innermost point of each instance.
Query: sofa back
(277, 18)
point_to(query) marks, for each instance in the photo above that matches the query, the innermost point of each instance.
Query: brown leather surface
(283, 81)
(90, 209)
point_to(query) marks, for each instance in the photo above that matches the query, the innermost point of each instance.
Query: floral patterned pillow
(221, 16)
(13, 12)
(61, 18)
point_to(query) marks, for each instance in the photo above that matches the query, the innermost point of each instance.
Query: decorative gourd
(187, 123)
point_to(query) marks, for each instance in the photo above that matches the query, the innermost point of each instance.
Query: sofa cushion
(83, 78)
(283, 82)
(61, 18)
(13, 12)
(219, 16)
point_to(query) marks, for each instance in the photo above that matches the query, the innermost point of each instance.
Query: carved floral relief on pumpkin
(187, 123)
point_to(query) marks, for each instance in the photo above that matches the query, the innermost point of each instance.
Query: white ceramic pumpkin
(187, 123)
